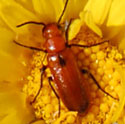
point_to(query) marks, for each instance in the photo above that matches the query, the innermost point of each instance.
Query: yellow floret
(100, 71)
(104, 107)
(93, 57)
(46, 99)
(48, 109)
(70, 119)
(99, 62)
(90, 117)
(87, 51)
(100, 55)
(95, 49)
(95, 109)
(113, 82)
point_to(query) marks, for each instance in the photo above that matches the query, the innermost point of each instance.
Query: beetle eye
(43, 30)
(59, 27)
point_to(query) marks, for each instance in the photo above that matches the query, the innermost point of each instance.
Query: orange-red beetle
(70, 84)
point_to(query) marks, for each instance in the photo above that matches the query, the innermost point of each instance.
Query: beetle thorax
(54, 39)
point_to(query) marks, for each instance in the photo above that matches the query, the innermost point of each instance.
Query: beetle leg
(84, 71)
(50, 79)
(67, 29)
(87, 46)
(29, 47)
(41, 84)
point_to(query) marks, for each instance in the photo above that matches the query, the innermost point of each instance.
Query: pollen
(99, 61)
(70, 119)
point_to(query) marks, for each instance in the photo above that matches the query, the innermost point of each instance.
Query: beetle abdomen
(68, 80)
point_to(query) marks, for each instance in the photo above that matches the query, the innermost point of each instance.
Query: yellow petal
(78, 7)
(116, 15)
(119, 39)
(90, 23)
(27, 4)
(110, 32)
(5, 38)
(52, 11)
(74, 28)
(85, 17)
(116, 34)
(8, 67)
(99, 9)
(122, 44)
(5, 57)
(58, 7)
(10, 61)
(13, 13)
(122, 97)
(48, 10)
(73, 8)
(13, 108)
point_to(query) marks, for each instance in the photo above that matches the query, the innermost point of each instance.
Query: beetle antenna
(31, 22)
(63, 12)
(29, 47)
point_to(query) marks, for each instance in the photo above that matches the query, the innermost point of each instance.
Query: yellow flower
(93, 22)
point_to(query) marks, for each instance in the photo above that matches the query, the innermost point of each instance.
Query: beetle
(71, 85)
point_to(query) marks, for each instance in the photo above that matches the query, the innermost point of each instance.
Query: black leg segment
(66, 32)
(87, 46)
(50, 79)
(97, 84)
(41, 84)
(29, 47)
